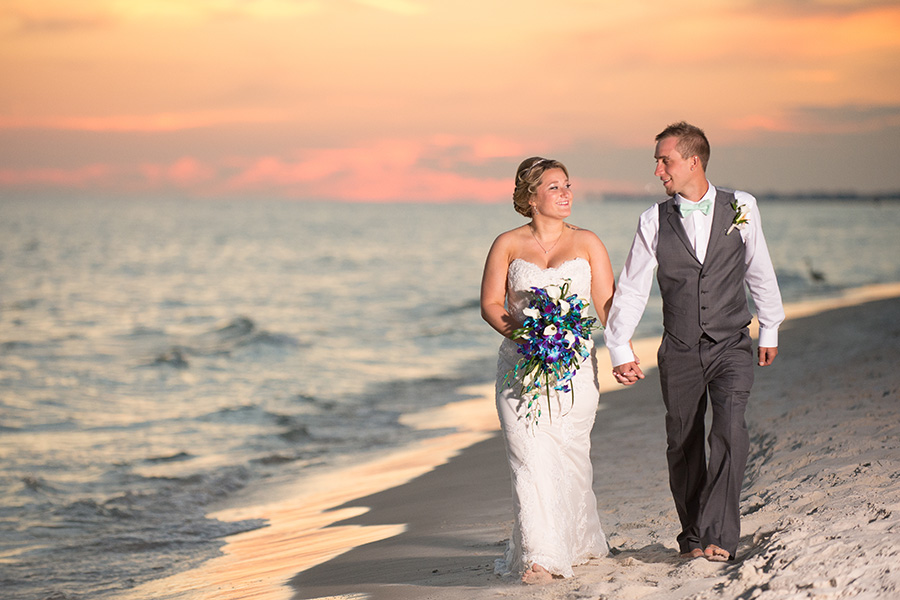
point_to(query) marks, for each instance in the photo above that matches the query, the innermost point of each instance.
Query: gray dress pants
(707, 492)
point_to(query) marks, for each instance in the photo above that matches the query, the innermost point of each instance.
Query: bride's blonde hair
(528, 177)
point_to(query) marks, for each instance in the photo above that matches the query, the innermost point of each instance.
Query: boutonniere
(741, 217)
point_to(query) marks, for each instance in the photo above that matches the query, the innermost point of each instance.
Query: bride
(556, 525)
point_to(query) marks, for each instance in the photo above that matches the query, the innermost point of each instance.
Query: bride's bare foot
(695, 553)
(536, 575)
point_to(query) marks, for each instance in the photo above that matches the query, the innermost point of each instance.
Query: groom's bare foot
(695, 553)
(716, 554)
(536, 575)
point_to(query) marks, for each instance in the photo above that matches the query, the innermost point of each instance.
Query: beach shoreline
(427, 521)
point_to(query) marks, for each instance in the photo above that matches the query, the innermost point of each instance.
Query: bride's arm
(603, 282)
(493, 288)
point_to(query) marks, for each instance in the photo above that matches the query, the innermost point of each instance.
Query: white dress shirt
(636, 279)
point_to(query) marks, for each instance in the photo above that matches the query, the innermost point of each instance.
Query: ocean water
(158, 355)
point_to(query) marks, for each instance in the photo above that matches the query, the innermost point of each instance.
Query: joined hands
(628, 373)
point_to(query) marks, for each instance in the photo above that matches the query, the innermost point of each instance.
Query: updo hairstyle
(528, 177)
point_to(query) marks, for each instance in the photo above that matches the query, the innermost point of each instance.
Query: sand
(821, 500)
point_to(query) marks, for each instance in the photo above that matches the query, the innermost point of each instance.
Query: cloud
(822, 7)
(400, 7)
(52, 17)
(28, 24)
(849, 118)
(199, 10)
(186, 172)
(386, 170)
(159, 122)
(383, 171)
(63, 16)
(79, 177)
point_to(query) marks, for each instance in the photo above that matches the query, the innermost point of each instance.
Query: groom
(706, 244)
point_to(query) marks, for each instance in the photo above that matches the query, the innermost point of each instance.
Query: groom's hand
(628, 373)
(767, 356)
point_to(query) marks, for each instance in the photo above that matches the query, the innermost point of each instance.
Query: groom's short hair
(691, 141)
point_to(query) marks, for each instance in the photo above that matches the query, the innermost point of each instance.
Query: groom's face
(672, 169)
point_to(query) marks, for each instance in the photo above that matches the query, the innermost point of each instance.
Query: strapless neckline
(524, 276)
(556, 268)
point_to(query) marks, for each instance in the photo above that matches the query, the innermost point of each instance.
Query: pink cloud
(761, 122)
(386, 170)
(383, 171)
(186, 172)
(442, 169)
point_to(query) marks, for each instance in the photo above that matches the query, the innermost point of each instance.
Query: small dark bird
(813, 273)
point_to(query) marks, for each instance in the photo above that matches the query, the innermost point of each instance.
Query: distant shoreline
(812, 196)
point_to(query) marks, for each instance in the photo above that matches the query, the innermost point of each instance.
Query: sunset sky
(420, 100)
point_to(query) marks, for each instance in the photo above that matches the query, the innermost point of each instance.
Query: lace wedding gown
(556, 523)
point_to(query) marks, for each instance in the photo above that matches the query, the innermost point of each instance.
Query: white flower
(550, 330)
(554, 292)
(570, 338)
(530, 377)
(532, 312)
(741, 217)
(528, 380)
(564, 307)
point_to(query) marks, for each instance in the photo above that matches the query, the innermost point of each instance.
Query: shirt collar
(710, 194)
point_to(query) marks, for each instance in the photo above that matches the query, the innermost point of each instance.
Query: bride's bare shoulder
(512, 236)
(581, 231)
(508, 243)
(588, 240)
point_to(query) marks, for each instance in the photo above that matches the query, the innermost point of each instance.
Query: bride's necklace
(547, 250)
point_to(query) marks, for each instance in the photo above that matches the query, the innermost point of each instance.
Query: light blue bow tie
(703, 206)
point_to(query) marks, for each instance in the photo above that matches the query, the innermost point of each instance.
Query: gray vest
(702, 298)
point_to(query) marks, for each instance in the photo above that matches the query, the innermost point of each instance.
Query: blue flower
(554, 337)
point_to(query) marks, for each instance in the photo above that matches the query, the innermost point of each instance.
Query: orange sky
(439, 101)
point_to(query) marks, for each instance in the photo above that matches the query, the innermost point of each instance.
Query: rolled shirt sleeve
(760, 277)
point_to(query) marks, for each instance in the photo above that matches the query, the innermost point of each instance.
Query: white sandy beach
(821, 500)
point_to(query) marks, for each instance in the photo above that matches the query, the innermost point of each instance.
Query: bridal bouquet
(555, 333)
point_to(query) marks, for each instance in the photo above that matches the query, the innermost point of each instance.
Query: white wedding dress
(556, 524)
